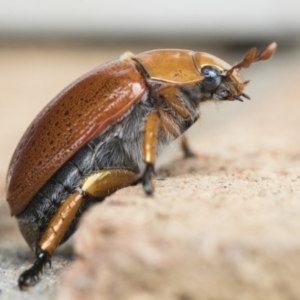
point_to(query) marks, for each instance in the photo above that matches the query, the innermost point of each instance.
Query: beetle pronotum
(104, 132)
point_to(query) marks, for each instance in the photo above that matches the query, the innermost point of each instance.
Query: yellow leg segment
(150, 138)
(167, 123)
(106, 182)
(150, 146)
(170, 93)
(60, 223)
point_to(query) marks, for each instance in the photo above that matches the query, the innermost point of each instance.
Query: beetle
(104, 131)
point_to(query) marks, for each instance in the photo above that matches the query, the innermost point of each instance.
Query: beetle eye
(212, 78)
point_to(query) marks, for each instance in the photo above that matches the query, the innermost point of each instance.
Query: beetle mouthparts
(239, 98)
(246, 96)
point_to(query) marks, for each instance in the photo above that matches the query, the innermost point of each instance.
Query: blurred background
(169, 20)
(45, 45)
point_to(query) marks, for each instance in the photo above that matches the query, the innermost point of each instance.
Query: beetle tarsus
(31, 276)
(146, 179)
(188, 153)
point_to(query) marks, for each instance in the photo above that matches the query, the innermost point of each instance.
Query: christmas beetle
(104, 131)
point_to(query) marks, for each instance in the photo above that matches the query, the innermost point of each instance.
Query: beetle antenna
(267, 52)
(252, 57)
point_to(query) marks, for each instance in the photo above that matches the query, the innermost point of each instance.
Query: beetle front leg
(188, 153)
(170, 92)
(150, 145)
(97, 185)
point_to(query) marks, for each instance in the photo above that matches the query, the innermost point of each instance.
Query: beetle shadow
(200, 164)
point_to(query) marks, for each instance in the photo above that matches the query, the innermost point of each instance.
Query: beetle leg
(186, 148)
(169, 93)
(150, 145)
(51, 238)
(97, 185)
(168, 125)
(105, 182)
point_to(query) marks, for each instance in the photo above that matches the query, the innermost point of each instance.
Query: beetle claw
(28, 278)
(146, 179)
(31, 276)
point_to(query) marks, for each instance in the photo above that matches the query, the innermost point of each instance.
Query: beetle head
(223, 82)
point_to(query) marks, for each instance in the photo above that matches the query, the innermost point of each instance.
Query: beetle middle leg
(150, 145)
(170, 94)
(97, 185)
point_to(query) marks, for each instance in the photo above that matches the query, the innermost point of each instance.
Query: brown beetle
(104, 132)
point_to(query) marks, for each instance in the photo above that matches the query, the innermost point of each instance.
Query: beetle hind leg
(97, 185)
(51, 238)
